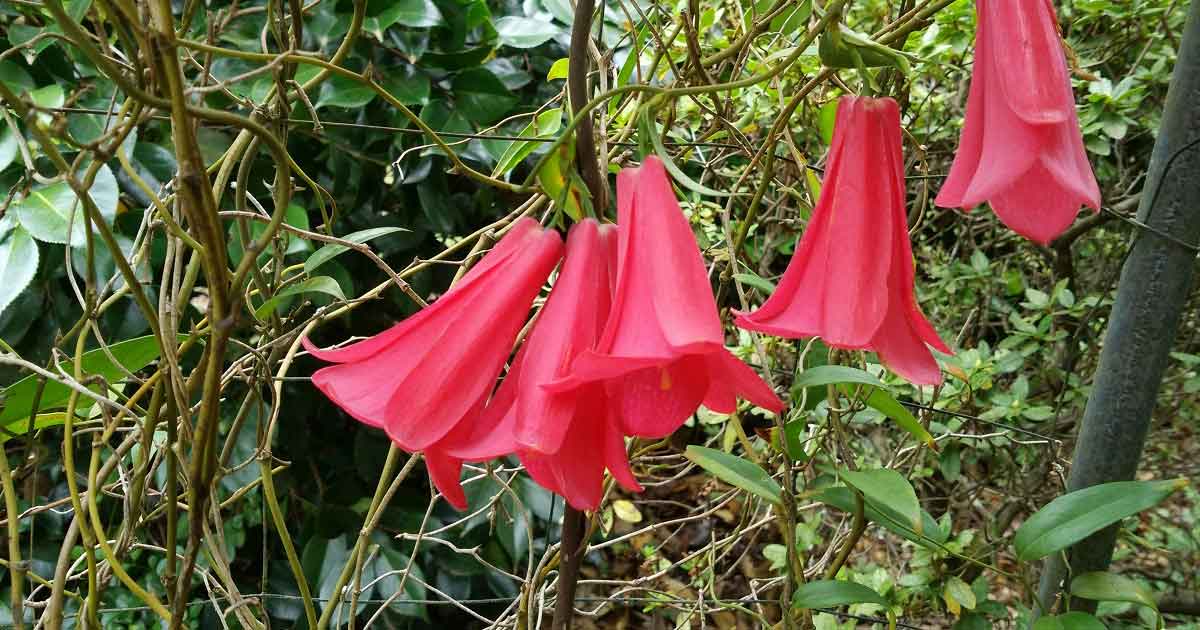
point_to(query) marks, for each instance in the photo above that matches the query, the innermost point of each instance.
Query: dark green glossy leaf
(830, 593)
(481, 96)
(1110, 587)
(333, 250)
(1075, 516)
(18, 264)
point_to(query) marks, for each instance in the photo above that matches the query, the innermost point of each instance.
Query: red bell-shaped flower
(564, 438)
(1021, 149)
(850, 281)
(662, 350)
(426, 379)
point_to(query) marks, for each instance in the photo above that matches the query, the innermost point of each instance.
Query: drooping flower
(428, 377)
(566, 439)
(850, 281)
(661, 353)
(1021, 149)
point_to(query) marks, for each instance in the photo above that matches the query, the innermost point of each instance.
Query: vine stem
(574, 524)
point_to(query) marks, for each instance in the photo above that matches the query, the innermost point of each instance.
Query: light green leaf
(1110, 587)
(414, 13)
(53, 214)
(544, 126)
(756, 281)
(830, 593)
(18, 264)
(931, 535)
(736, 471)
(826, 119)
(9, 147)
(559, 69)
(960, 593)
(48, 97)
(833, 374)
(333, 250)
(649, 131)
(878, 398)
(20, 426)
(886, 488)
(522, 32)
(319, 284)
(133, 354)
(1075, 516)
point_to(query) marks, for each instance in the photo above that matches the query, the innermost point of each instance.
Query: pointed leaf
(134, 354)
(18, 264)
(333, 250)
(830, 593)
(1110, 587)
(1075, 516)
(736, 471)
(319, 284)
(886, 488)
(931, 535)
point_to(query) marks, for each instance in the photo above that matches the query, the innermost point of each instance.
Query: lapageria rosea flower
(850, 281)
(566, 439)
(662, 353)
(1021, 149)
(426, 379)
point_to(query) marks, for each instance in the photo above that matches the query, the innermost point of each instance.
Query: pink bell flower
(661, 353)
(426, 379)
(1021, 149)
(850, 281)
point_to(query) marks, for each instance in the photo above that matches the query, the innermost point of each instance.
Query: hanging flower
(850, 281)
(566, 439)
(1021, 149)
(428, 377)
(661, 353)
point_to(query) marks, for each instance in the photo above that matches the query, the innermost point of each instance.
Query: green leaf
(339, 91)
(649, 131)
(133, 354)
(826, 120)
(20, 426)
(1075, 516)
(409, 86)
(48, 97)
(756, 281)
(544, 126)
(736, 471)
(830, 593)
(878, 398)
(414, 13)
(833, 374)
(1070, 621)
(333, 250)
(523, 32)
(559, 69)
(481, 96)
(960, 593)
(1110, 587)
(887, 488)
(15, 78)
(9, 147)
(883, 402)
(18, 264)
(931, 535)
(319, 284)
(53, 214)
